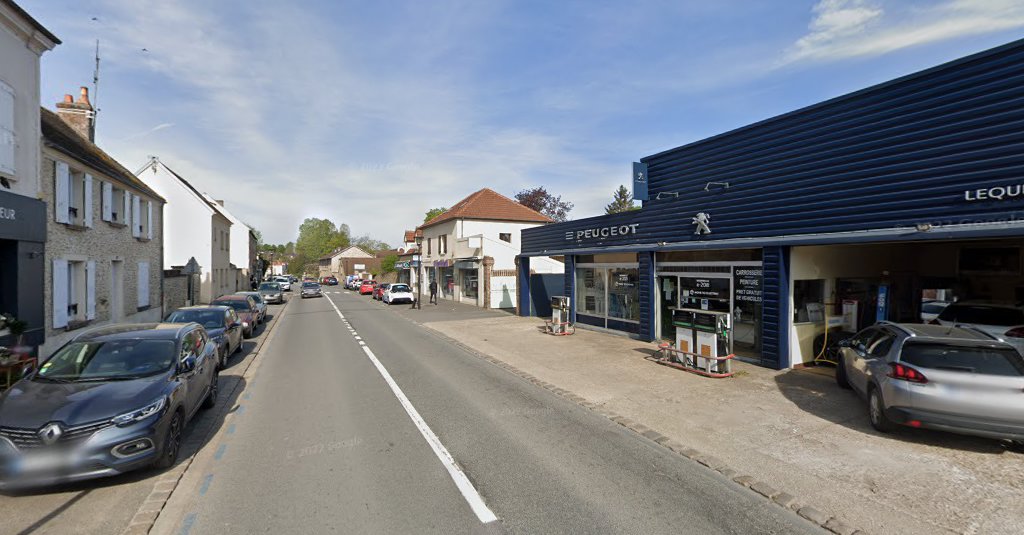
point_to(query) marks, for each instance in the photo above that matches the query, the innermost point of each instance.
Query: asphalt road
(106, 506)
(320, 442)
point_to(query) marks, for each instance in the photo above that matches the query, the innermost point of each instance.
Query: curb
(773, 495)
(145, 517)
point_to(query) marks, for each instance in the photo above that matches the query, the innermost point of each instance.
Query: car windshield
(256, 297)
(984, 360)
(310, 285)
(983, 315)
(400, 288)
(209, 318)
(933, 308)
(236, 304)
(271, 286)
(111, 360)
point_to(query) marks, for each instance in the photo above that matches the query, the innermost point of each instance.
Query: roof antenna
(96, 83)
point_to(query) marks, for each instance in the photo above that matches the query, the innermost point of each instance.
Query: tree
(434, 212)
(622, 201)
(369, 244)
(387, 265)
(540, 200)
(317, 238)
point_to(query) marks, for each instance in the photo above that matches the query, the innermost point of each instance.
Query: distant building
(470, 250)
(351, 260)
(194, 227)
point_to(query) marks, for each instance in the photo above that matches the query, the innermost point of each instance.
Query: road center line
(462, 482)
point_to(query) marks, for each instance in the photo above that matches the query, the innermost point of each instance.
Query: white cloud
(157, 128)
(843, 29)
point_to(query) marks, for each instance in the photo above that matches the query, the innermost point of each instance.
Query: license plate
(40, 462)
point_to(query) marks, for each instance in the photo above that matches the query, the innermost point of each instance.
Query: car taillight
(906, 373)
(1016, 332)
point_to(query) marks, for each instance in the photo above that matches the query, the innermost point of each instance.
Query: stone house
(23, 40)
(104, 227)
(195, 227)
(351, 260)
(470, 250)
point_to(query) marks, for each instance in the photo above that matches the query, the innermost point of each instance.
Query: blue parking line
(240, 409)
(206, 484)
(246, 395)
(220, 452)
(231, 429)
(186, 525)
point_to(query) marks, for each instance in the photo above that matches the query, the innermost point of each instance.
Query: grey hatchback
(949, 378)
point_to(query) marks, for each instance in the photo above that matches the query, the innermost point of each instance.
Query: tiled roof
(488, 204)
(61, 137)
(410, 236)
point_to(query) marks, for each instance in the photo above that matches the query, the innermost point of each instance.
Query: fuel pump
(702, 338)
(560, 315)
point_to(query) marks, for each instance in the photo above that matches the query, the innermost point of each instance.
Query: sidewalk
(796, 431)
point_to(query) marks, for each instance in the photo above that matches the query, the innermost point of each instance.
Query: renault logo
(50, 433)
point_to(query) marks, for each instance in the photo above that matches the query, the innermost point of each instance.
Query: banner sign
(640, 182)
(747, 283)
(703, 288)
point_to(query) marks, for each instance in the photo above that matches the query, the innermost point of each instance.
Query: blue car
(220, 322)
(112, 400)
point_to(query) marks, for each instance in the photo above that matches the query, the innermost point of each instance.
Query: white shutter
(143, 284)
(90, 290)
(60, 293)
(136, 216)
(62, 192)
(107, 200)
(88, 200)
(7, 140)
(126, 213)
(149, 220)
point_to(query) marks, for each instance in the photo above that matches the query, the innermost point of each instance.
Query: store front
(22, 238)
(468, 280)
(833, 216)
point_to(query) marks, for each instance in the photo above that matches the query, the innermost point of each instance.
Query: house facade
(351, 260)
(241, 247)
(104, 227)
(194, 227)
(23, 40)
(470, 250)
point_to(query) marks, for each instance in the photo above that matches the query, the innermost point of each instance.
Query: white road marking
(462, 482)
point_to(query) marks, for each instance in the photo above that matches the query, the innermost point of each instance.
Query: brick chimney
(79, 114)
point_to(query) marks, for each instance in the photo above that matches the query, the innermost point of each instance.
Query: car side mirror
(187, 364)
(27, 370)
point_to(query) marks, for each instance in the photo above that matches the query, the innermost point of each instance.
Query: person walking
(433, 292)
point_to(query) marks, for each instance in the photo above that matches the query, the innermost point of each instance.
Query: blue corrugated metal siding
(775, 311)
(570, 285)
(892, 155)
(523, 283)
(646, 294)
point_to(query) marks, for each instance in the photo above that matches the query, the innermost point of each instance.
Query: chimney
(79, 114)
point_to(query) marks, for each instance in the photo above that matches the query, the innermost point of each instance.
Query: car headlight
(138, 415)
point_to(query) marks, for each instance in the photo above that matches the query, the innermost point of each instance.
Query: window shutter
(126, 212)
(149, 220)
(143, 284)
(60, 293)
(88, 200)
(107, 200)
(90, 290)
(62, 192)
(136, 216)
(7, 140)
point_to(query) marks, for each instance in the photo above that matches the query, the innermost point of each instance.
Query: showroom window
(809, 301)
(608, 293)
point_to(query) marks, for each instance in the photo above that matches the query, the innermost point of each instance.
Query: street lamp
(419, 278)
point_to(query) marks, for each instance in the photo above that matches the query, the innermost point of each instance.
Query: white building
(194, 227)
(242, 249)
(470, 250)
(23, 40)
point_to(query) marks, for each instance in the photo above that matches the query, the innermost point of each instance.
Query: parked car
(957, 379)
(1002, 321)
(930, 310)
(221, 324)
(293, 278)
(378, 292)
(261, 306)
(354, 284)
(111, 400)
(330, 280)
(366, 287)
(246, 309)
(311, 289)
(285, 282)
(271, 292)
(399, 293)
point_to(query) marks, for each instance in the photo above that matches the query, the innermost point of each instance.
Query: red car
(378, 292)
(367, 287)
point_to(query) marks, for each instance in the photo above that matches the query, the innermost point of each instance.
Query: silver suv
(951, 378)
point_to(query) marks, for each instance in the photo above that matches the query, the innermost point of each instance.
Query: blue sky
(370, 113)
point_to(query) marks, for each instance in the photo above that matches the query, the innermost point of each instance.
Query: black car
(111, 400)
(220, 322)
